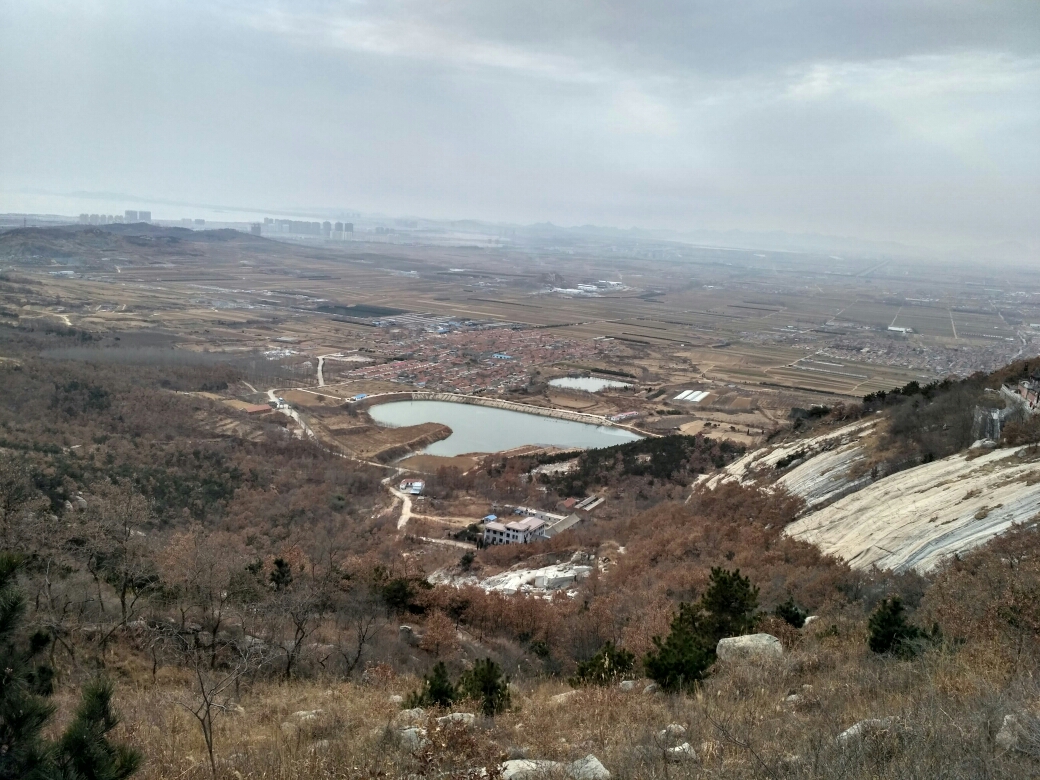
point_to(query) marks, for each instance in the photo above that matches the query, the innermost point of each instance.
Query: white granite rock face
(914, 519)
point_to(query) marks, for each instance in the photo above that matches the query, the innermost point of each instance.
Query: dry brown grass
(949, 703)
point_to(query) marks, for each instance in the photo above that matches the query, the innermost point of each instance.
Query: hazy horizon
(912, 122)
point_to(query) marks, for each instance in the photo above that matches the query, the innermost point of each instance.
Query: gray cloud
(913, 120)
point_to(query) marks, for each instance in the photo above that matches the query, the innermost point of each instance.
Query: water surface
(486, 429)
(590, 384)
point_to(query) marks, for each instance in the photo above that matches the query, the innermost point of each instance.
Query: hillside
(114, 248)
(177, 544)
(900, 488)
(917, 518)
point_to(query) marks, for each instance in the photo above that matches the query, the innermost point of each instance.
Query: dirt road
(406, 504)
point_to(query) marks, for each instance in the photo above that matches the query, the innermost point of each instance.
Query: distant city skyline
(911, 121)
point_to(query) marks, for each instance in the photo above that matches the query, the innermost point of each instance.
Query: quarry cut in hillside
(916, 518)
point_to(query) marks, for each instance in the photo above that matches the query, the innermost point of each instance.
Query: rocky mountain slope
(916, 518)
(912, 519)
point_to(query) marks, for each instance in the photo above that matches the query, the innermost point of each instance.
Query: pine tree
(23, 686)
(83, 752)
(730, 603)
(604, 668)
(485, 683)
(681, 659)
(281, 575)
(889, 631)
(726, 609)
(437, 690)
(791, 613)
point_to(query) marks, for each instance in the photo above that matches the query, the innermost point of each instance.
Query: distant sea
(74, 205)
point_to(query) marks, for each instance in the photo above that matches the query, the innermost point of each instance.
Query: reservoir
(486, 429)
(590, 384)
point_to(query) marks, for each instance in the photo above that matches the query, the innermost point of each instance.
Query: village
(470, 358)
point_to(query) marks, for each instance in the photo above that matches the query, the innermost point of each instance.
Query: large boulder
(588, 768)
(1020, 731)
(562, 698)
(412, 717)
(408, 636)
(680, 753)
(671, 734)
(751, 646)
(531, 769)
(413, 739)
(465, 718)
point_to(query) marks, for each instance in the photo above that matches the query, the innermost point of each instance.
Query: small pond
(590, 384)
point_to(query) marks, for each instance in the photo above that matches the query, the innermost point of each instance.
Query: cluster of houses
(532, 525)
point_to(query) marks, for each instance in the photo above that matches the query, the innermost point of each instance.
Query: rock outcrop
(1020, 732)
(751, 646)
(588, 768)
(411, 717)
(914, 519)
(562, 698)
(870, 727)
(464, 718)
(413, 738)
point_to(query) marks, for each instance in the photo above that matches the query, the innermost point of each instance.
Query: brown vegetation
(247, 594)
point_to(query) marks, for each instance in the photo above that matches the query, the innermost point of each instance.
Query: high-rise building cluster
(100, 219)
(339, 230)
(115, 219)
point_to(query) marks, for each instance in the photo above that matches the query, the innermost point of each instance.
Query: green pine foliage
(726, 609)
(83, 752)
(791, 613)
(485, 683)
(729, 604)
(682, 658)
(281, 575)
(608, 666)
(674, 458)
(23, 708)
(437, 690)
(890, 632)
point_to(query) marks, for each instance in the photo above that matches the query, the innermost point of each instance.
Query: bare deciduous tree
(358, 622)
(117, 550)
(214, 685)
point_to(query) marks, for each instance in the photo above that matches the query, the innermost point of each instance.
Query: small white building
(514, 532)
(413, 487)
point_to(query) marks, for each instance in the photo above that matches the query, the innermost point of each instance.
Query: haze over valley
(559, 391)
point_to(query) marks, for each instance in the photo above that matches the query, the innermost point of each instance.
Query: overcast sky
(910, 120)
